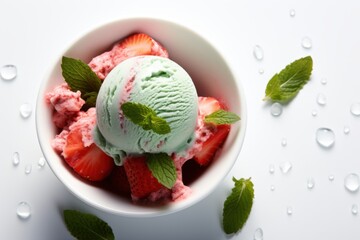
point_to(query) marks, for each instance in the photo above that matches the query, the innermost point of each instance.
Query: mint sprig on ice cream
(145, 117)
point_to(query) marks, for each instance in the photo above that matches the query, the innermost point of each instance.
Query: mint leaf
(79, 76)
(84, 226)
(286, 84)
(238, 205)
(163, 168)
(221, 117)
(145, 117)
(160, 126)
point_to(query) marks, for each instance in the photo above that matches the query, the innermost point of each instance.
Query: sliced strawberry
(208, 105)
(141, 180)
(89, 162)
(119, 181)
(211, 145)
(137, 44)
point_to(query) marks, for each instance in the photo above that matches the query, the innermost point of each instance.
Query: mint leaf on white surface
(237, 206)
(163, 168)
(222, 117)
(285, 85)
(145, 117)
(79, 76)
(85, 226)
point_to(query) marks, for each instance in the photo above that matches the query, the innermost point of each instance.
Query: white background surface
(34, 33)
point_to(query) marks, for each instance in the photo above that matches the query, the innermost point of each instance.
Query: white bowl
(211, 76)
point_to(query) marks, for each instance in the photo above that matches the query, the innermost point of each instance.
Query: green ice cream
(158, 83)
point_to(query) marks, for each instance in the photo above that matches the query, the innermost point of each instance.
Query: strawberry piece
(89, 162)
(141, 180)
(212, 145)
(136, 45)
(119, 181)
(208, 105)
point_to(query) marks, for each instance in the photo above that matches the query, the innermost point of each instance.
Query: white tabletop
(34, 33)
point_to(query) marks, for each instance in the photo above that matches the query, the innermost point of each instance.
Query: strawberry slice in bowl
(214, 135)
(137, 44)
(140, 178)
(212, 145)
(89, 162)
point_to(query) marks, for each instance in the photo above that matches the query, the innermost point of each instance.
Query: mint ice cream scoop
(158, 83)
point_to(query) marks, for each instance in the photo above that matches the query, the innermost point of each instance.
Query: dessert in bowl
(201, 82)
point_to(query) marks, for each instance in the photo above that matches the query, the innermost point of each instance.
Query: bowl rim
(172, 207)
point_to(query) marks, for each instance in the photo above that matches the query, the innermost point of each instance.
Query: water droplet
(346, 130)
(314, 113)
(352, 182)
(276, 109)
(354, 209)
(310, 183)
(292, 12)
(331, 177)
(325, 137)
(23, 210)
(271, 168)
(41, 162)
(258, 52)
(28, 169)
(324, 81)
(321, 99)
(284, 142)
(289, 210)
(25, 110)
(355, 109)
(306, 43)
(261, 71)
(272, 187)
(8, 72)
(285, 167)
(16, 158)
(258, 234)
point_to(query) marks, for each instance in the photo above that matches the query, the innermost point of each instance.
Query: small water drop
(314, 113)
(324, 81)
(289, 210)
(272, 188)
(310, 183)
(25, 110)
(351, 182)
(41, 162)
(258, 52)
(292, 12)
(306, 43)
(355, 109)
(354, 209)
(271, 168)
(346, 129)
(285, 167)
(8, 72)
(261, 71)
(258, 234)
(331, 177)
(284, 142)
(28, 169)
(321, 99)
(325, 137)
(276, 109)
(23, 210)
(16, 158)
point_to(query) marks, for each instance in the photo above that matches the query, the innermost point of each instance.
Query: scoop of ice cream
(158, 83)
